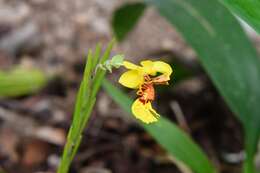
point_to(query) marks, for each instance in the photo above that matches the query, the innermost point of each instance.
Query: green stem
(249, 166)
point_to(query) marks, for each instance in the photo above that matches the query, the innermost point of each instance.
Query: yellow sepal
(130, 66)
(162, 67)
(131, 79)
(148, 67)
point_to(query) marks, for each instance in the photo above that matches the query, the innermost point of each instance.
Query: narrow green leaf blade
(125, 18)
(174, 140)
(96, 56)
(83, 93)
(100, 73)
(248, 10)
(225, 53)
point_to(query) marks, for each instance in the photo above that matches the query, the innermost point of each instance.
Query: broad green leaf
(168, 135)
(125, 18)
(248, 10)
(21, 81)
(227, 56)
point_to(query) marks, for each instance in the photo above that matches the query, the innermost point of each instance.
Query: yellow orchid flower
(143, 78)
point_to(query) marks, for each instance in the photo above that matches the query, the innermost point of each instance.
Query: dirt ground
(55, 36)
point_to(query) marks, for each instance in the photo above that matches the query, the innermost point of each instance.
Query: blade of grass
(85, 102)
(75, 149)
(96, 55)
(101, 73)
(87, 113)
(107, 51)
(82, 100)
(74, 136)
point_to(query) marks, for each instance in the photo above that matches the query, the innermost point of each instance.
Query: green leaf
(96, 55)
(227, 56)
(21, 81)
(100, 74)
(173, 139)
(85, 101)
(248, 10)
(125, 18)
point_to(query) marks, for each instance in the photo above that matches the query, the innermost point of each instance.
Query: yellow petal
(148, 67)
(130, 65)
(162, 67)
(152, 67)
(131, 79)
(144, 112)
(147, 63)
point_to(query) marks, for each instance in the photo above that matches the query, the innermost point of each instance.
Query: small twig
(180, 116)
